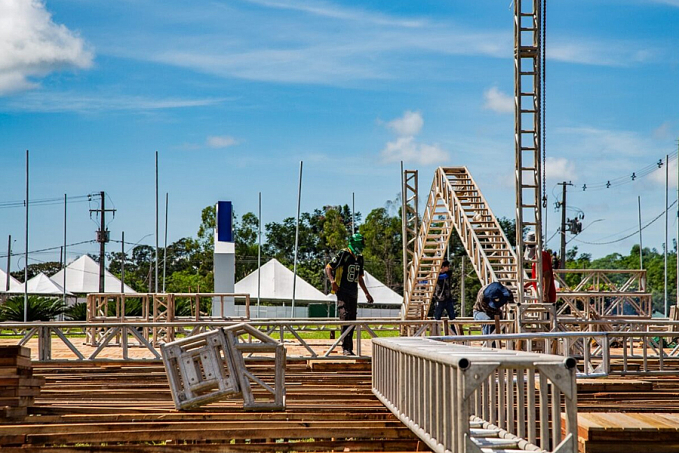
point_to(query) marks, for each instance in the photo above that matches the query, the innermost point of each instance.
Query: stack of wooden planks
(650, 394)
(18, 386)
(113, 406)
(628, 432)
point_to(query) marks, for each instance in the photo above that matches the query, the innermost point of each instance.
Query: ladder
(455, 202)
(527, 97)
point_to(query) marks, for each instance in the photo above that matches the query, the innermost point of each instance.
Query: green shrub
(39, 309)
(76, 312)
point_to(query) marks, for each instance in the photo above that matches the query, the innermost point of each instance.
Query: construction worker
(548, 284)
(489, 302)
(345, 272)
(442, 297)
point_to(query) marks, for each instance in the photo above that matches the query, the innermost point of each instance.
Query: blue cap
(497, 295)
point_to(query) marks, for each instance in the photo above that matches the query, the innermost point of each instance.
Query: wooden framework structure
(603, 293)
(409, 217)
(157, 308)
(527, 137)
(456, 202)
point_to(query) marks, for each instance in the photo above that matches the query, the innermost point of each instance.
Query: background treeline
(323, 232)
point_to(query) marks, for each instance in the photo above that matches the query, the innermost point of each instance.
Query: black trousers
(347, 305)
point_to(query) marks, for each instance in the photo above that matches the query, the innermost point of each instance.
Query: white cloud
(614, 144)
(663, 131)
(498, 101)
(42, 101)
(560, 169)
(32, 45)
(406, 147)
(324, 9)
(658, 176)
(667, 2)
(223, 141)
(409, 124)
(597, 52)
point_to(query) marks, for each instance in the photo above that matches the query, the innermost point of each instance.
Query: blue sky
(233, 95)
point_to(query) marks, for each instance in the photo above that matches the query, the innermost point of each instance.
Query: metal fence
(129, 340)
(454, 396)
(620, 353)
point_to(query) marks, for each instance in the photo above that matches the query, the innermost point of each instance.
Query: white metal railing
(624, 353)
(305, 339)
(442, 392)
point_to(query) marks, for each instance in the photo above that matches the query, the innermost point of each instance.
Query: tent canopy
(381, 293)
(13, 282)
(276, 284)
(42, 285)
(82, 277)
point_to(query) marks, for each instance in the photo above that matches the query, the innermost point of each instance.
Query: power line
(48, 249)
(44, 201)
(629, 235)
(621, 180)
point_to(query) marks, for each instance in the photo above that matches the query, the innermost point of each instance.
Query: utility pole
(122, 265)
(9, 260)
(563, 223)
(667, 208)
(102, 238)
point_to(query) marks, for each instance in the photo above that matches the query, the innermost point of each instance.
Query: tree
(383, 247)
(48, 268)
(247, 244)
(334, 230)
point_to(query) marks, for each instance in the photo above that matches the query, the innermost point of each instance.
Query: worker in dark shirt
(443, 295)
(489, 302)
(345, 272)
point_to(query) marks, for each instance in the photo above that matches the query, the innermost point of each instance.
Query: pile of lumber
(112, 406)
(18, 386)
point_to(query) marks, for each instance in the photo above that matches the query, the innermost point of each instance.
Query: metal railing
(134, 340)
(442, 392)
(623, 353)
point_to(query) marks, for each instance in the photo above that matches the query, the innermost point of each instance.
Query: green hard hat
(356, 243)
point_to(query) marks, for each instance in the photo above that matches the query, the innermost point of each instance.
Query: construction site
(592, 371)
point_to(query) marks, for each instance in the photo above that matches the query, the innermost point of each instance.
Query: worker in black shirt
(345, 272)
(443, 293)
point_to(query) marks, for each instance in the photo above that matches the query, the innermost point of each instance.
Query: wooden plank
(613, 385)
(145, 435)
(14, 380)
(363, 445)
(14, 351)
(20, 361)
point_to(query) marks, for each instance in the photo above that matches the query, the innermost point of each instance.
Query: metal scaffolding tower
(527, 96)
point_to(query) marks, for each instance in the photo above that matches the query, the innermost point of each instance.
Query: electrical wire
(629, 235)
(44, 201)
(48, 249)
(622, 180)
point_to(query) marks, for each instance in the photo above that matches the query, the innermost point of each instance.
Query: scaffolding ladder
(456, 202)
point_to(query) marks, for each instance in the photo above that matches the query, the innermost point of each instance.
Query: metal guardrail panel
(436, 388)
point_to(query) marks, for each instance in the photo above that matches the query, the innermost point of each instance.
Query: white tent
(82, 277)
(41, 284)
(276, 284)
(13, 282)
(381, 293)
